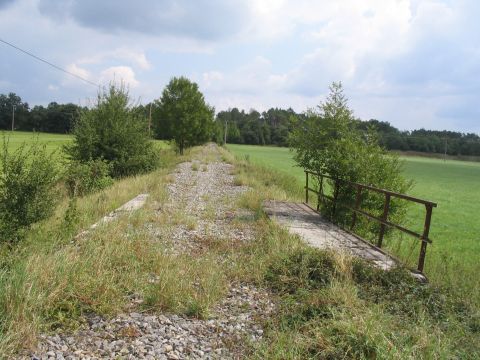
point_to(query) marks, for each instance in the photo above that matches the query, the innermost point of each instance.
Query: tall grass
(328, 305)
(50, 279)
(452, 259)
(331, 306)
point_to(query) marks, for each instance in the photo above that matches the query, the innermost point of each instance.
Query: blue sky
(414, 63)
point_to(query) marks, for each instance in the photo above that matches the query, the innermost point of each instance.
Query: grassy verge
(329, 306)
(452, 257)
(334, 307)
(50, 281)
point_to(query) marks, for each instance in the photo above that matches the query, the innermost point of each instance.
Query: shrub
(327, 141)
(27, 179)
(87, 177)
(114, 132)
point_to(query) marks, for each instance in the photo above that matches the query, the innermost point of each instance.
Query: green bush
(27, 179)
(114, 132)
(82, 178)
(327, 141)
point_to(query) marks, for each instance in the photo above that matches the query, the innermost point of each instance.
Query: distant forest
(270, 127)
(273, 126)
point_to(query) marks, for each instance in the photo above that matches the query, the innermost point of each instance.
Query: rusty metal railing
(383, 220)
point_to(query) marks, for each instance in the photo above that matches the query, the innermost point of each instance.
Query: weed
(303, 269)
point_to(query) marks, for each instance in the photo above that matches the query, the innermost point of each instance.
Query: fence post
(320, 193)
(306, 187)
(386, 208)
(358, 200)
(335, 197)
(426, 230)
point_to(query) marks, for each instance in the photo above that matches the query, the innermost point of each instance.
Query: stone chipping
(205, 193)
(234, 323)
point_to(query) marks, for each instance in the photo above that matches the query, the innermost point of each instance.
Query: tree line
(271, 127)
(54, 118)
(274, 127)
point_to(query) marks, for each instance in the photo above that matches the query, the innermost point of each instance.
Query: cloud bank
(413, 63)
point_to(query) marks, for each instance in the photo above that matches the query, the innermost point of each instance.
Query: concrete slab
(320, 233)
(132, 205)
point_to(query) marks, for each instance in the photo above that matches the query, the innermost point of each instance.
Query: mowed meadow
(52, 142)
(453, 257)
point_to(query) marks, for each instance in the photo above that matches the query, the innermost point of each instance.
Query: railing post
(320, 193)
(358, 200)
(306, 187)
(386, 208)
(426, 230)
(335, 196)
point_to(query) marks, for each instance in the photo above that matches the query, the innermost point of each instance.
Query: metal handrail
(383, 220)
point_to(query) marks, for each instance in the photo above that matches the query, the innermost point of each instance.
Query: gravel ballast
(206, 193)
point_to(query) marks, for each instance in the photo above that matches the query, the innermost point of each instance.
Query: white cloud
(254, 77)
(77, 70)
(388, 53)
(137, 58)
(119, 75)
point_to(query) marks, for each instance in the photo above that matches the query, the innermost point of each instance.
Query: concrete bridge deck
(320, 233)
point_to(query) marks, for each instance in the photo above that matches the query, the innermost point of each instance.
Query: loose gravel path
(205, 193)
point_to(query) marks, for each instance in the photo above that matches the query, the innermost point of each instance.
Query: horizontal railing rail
(383, 220)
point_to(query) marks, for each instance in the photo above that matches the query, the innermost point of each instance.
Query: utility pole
(13, 117)
(150, 121)
(225, 135)
(445, 153)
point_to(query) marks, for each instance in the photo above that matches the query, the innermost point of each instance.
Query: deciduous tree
(183, 110)
(328, 141)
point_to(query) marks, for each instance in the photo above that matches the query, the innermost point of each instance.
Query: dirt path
(203, 194)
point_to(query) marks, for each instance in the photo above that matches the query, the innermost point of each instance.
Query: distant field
(53, 142)
(454, 185)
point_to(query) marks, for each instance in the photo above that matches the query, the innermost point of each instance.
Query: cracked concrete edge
(134, 204)
(356, 246)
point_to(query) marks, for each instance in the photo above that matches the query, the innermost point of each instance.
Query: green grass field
(454, 185)
(53, 142)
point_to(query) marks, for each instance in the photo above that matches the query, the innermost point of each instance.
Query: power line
(48, 63)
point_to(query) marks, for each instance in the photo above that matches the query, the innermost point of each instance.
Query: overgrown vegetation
(328, 306)
(113, 131)
(335, 307)
(47, 281)
(82, 178)
(362, 313)
(328, 142)
(28, 177)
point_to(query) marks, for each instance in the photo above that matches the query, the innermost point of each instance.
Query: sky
(413, 63)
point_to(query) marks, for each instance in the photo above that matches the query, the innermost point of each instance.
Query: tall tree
(12, 107)
(188, 118)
